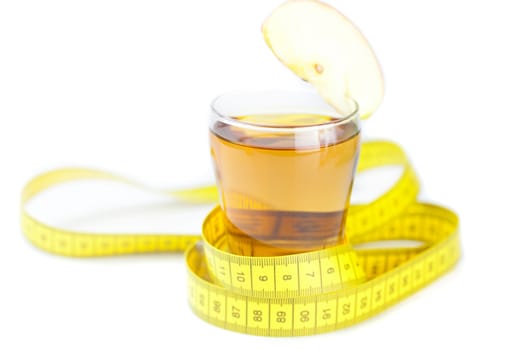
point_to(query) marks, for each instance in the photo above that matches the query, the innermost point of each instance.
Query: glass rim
(339, 119)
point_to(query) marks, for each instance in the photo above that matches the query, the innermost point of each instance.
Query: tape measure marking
(291, 295)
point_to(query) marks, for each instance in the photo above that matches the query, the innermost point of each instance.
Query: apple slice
(320, 45)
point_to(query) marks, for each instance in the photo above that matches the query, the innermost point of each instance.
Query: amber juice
(284, 180)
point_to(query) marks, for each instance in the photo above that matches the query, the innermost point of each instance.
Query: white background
(125, 86)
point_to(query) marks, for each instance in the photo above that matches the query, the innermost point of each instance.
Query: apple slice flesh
(320, 45)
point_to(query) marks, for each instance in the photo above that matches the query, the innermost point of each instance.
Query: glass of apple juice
(284, 165)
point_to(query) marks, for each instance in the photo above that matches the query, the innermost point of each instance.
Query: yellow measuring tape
(299, 294)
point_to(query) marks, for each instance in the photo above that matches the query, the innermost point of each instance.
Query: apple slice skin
(322, 46)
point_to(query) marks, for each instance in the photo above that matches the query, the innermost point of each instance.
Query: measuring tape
(300, 294)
